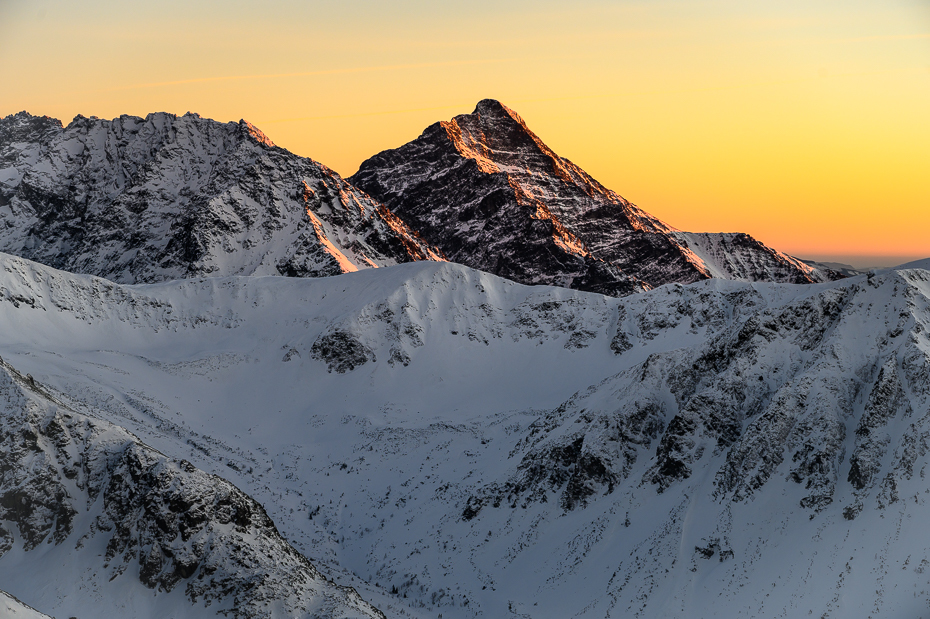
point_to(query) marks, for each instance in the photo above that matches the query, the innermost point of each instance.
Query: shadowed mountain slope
(87, 506)
(449, 442)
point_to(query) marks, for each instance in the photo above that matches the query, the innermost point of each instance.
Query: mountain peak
(163, 197)
(257, 134)
(523, 212)
(494, 108)
(498, 139)
(495, 195)
(19, 126)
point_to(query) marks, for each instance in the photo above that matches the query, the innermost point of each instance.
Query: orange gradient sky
(806, 124)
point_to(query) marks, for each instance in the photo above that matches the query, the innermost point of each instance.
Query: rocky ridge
(488, 192)
(140, 200)
(796, 388)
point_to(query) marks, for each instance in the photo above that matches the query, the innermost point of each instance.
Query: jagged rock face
(734, 255)
(784, 390)
(144, 200)
(493, 196)
(163, 521)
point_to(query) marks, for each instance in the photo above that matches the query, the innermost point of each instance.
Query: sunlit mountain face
(165, 197)
(489, 193)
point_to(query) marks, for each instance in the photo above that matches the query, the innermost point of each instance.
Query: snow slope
(732, 255)
(11, 608)
(165, 197)
(449, 442)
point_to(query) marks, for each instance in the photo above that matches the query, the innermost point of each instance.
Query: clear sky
(806, 124)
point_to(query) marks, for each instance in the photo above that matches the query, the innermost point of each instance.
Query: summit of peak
(490, 106)
(494, 109)
(25, 117)
(509, 194)
(257, 134)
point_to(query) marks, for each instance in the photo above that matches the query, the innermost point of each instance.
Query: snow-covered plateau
(447, 442)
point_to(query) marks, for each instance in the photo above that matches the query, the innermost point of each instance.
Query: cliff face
(144, 200)
(488, 192)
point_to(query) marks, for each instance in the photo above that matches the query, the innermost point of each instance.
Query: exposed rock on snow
(341, 351)
(735, 255)
(489, 193)
(778, 388)
(165, 197)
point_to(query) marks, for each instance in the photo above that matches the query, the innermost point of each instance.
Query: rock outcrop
(67, 479)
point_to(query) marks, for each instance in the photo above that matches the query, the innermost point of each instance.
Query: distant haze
(865, 262)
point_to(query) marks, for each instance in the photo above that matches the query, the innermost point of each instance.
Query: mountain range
(145, 200)
(444, 441)
(665, 424)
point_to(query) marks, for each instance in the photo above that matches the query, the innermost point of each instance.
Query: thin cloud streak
(889, 37)
(639, 93)
(398, 67)
(363, 114)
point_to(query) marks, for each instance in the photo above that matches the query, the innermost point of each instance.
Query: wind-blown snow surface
(490, 449)
(164, 197)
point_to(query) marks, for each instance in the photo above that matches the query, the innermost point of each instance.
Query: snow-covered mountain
(449, 442)
(489, 193)
(165, 197)
(844, 269)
